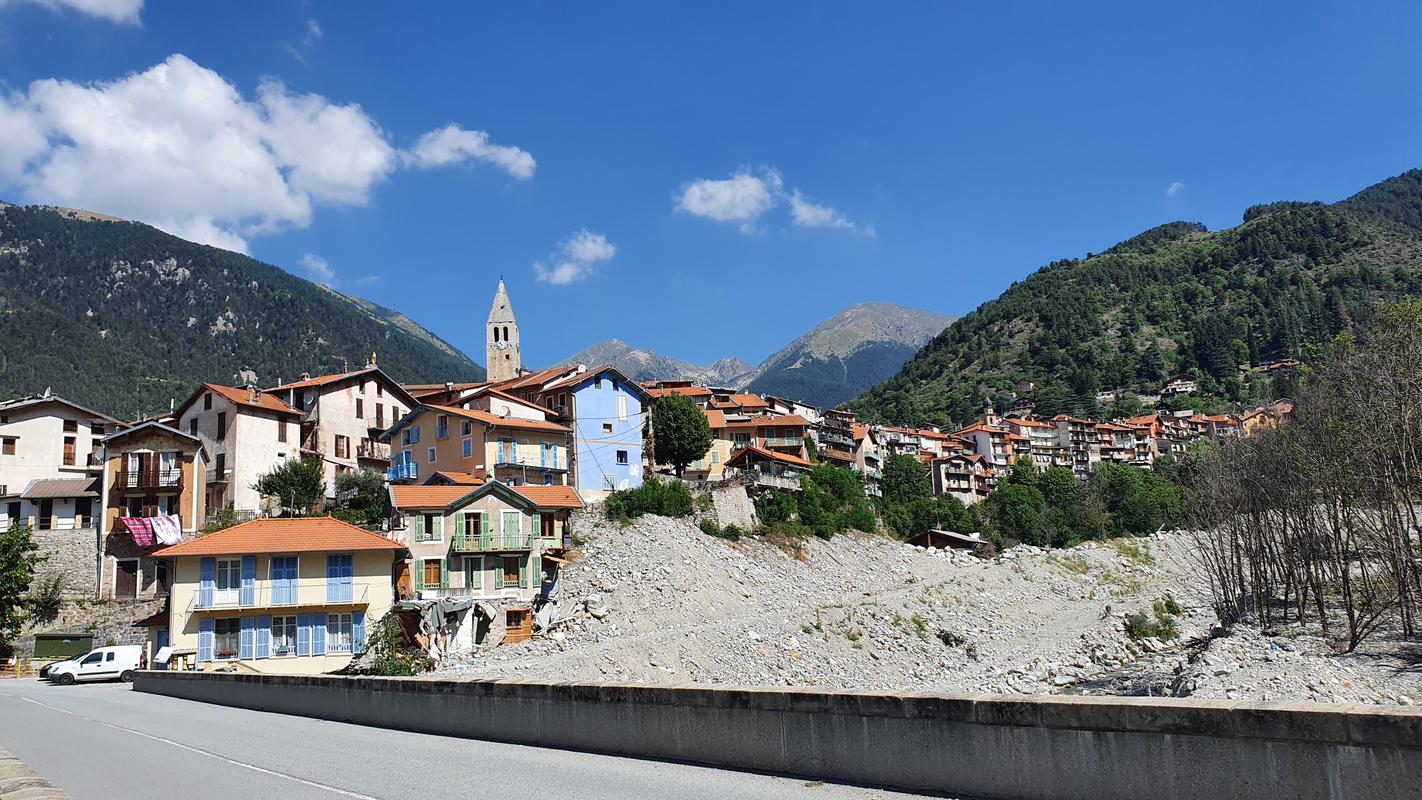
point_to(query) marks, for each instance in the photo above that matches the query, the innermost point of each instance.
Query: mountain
(122, 317)
(846, 354)
(642, 364)
(1176, 298)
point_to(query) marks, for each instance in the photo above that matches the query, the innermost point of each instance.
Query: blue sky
(704, 181)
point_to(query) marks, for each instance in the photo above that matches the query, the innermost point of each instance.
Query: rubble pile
(658, 601)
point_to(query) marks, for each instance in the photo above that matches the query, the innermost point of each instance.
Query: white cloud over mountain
(576, 259)
(745, 196)
(181, 148)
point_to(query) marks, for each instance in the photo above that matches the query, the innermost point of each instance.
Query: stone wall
(72, 555)
(734, 507)
(1041, 748)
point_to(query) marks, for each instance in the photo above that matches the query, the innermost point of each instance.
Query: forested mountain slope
(122, 317)
(1173, 299)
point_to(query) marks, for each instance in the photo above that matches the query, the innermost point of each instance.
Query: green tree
(18, 557)
(680, 432)
(370, 503)
(1019, 513)
(297, 485)
(904, 481)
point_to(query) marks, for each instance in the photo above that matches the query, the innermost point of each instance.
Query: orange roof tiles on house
(689, 391)
(748, 400)
(772, 421)
(321, 380)
(282, 535)
(858, 431)
(242, 397)
(502, 422)
(715, 419)
(458, 478)
(533, 379)
(418, 390)
(427, 496)
(745, 454)
(551, 496)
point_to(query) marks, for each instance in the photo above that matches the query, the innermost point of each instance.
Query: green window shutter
(438, 532)
(444, 573)
(486, 523)
(463, 524)
(498, 573)
(419, 527)
(419, 576)
(476, 575)
(524, 576)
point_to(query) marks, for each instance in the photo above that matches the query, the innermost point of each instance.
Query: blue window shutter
(207, 578)
(515, 451)
(318, 634)
(205, 628)
(264, 637)
(303, 634)
(333, 578)
(358, 632)
(248, 596)
(348, 575)
(247, 643)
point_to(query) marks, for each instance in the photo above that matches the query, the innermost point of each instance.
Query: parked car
(100, 664)
(44, 671)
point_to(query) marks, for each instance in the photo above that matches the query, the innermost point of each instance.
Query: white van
(101, 664)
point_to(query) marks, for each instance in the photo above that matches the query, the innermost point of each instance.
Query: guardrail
(482, 543)
(271, 595)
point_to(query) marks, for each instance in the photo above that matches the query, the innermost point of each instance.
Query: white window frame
(287, 624)
(623, 459)
(337, 627)
(236, 634)
(232, 567)
(622, 408)
(431, 455)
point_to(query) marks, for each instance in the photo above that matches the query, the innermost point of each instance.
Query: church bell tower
(501, 339)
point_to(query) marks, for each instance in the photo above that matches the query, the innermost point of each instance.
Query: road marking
(207, 753)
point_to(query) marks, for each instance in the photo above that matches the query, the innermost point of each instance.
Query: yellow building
(292, 596)
(513, 449)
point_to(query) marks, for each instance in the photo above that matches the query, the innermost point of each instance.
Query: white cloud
(1174, 189)
(117, 11)
(452, 144)
(313, 33)
(319, 269)
(740, 198)
(575, 260)
(179, 147)
(745, 197)
(809, 215)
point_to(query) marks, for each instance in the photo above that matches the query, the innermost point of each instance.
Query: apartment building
(294, 596)
(247, 433)
(517, 449)
(49, 461)
(343, 416)
(966, 476)
(608, 413)
(151, 470)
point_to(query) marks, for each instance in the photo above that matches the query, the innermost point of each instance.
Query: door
(402, 581)
(46, 514)
(126, 577)
(228, 582)
(91, 667)
(160, 642)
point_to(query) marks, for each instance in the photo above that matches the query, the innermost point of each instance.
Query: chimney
(280, 382)
(252, 393)
(306, 376)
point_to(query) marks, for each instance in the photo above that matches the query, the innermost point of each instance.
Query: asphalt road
(105, 742)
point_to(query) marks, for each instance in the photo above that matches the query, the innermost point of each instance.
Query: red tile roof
(459, 478)
(402, 496)
(550, 496)
(784, 458)
(689, 391)
(502, 422)
(716, 419)
(282, 535)
(321, 380)
(241, 397)
(770, 421)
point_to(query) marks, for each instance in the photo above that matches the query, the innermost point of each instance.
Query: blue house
(608, 412)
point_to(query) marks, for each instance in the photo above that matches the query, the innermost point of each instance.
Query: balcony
(150, 479)
(315, 592)
(492, 543)
(372, 451)
(501, 463)
(784, 441)
(219, 476)
(405, 471)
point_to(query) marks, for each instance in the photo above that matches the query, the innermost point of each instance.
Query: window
(512, 524)
(607, 427)
(93, 658)
(379, 413)
(547, 480)
(7, 446)
(338, 633)
(468, 448)
(433, 527)
(69, 451)
(466, 428)
(228, 581)
(343, 446)
(410, 435)
(597, 382)
(622, 408)
(431, 455)
(511, 568)
(281, 430)
(192, 426)
(715, 457)
(622, 457)
(360, 408)
(474, 572)
(283, 636)
(219, 465)
(545, 526)
(432, 572)
(442, 426)
(221, 425)
(207, 402)
(379, 390)
(225, 637)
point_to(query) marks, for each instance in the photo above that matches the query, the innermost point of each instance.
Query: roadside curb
(19, 782)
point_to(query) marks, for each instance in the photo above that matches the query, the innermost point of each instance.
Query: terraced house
(291, 596)
(247, 433)
(489, 542)
(519, 447)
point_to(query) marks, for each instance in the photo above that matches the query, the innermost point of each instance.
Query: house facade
(150, 470)
(608, 414)
(247, 433)
(45, 439)
(293, 596)
(343, 417)
(514, 450)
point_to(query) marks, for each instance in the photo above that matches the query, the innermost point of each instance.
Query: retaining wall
(989, 746)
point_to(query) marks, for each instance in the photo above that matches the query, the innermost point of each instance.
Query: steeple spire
(502, 339)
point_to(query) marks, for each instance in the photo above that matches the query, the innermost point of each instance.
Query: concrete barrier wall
(990, 746)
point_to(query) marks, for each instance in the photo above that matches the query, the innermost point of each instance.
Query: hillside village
(486, 484)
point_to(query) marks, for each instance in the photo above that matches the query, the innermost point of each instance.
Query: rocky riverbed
(658, 601)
